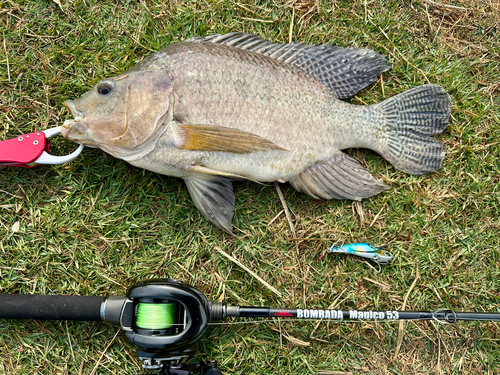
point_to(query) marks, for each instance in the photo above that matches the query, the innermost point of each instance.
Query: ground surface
(97, 225)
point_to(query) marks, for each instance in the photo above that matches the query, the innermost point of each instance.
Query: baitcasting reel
(164, 320)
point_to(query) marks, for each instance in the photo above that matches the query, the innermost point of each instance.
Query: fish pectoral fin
(214, 197)
(221, 139)
(341, 177)
(345, 71)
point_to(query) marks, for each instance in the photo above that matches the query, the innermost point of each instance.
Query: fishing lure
(363, 250)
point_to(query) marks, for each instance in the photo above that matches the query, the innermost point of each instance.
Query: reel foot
(179, 368)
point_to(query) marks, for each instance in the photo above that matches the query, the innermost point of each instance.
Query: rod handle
(51, 307)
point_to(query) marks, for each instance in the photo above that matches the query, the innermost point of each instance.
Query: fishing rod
(164, 319)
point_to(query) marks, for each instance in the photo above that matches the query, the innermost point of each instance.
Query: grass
(98, 225)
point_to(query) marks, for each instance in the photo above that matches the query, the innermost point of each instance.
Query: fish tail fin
(411, 118)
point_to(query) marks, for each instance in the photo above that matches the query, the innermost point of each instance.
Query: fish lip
(70, 104)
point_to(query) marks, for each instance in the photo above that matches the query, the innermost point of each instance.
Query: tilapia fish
(213, 109)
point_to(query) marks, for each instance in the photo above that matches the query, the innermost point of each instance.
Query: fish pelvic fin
(341, 177)
(411, 118)
(214, 197)
(210, 171)
(221, 139)
(345, 71)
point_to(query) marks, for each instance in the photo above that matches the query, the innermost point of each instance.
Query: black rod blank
(443, 316)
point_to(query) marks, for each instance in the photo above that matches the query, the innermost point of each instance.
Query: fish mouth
(75, 129)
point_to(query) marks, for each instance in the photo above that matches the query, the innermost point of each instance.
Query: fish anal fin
(221, 139)
(341, 177)
(214, 197)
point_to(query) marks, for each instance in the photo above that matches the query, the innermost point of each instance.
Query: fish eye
(104, 88)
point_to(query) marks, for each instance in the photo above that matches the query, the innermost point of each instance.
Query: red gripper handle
(23, 150)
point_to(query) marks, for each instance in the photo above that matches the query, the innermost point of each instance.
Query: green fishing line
(155, 315)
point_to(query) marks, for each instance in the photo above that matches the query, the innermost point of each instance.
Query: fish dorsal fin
(345, 71)
(221, 139)
(341, 177)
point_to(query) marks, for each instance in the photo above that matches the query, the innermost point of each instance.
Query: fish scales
(218, 108)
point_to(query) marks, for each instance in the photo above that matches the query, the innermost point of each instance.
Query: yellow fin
(222, 139)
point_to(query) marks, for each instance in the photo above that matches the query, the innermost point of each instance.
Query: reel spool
(156, 315)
